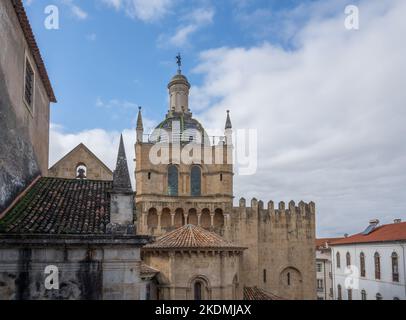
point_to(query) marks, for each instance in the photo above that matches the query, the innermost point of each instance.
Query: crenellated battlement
(257, 209)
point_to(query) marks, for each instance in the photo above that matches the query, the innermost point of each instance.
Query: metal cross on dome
(179, 62)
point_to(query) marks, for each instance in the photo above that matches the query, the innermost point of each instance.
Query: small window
(320, 284)
(195, 181)
(363, 295)
(319, 267)
(149, 175)
(29, 85)
(198, 290)
(349, 294)
(339, 293)
(81, 171)
(172, 180)
(378, 296)
(221, 177)
(348, 259)
(395, 267)
(338, 260)
(362, 264)
(264, 275)
(377, 260)
(288, 278)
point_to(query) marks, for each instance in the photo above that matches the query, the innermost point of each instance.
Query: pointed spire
(121, 176)
(228, 121)
(139, 120)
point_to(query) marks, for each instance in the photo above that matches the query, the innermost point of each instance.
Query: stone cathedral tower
(184, 188)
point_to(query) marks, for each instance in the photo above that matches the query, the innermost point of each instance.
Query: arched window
(362, 264)
(349, 294)
(221, 177)
(338, 260)
(264, 275)
(195, 181)
(348, 259)
(172, 180)
(395, 268)
(339, 293)
(288, 278)
(197, 290)
(378, 296)
(81, 171)
(377, 260)
(396, 298)
(363, 295)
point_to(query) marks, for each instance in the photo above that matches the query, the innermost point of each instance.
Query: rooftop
(60, 206)
(322, 241)
(387, 232)
(255, 293)
(191, 237)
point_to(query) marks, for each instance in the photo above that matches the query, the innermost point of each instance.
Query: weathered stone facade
(80, 157)
(23, 130)
(89, 268)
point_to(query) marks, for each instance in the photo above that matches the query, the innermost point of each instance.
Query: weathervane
(179, 62)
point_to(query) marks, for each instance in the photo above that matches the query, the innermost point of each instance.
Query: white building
(371, 265)
(324, 277)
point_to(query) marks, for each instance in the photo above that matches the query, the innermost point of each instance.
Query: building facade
(324, 272)
(371, 265)
(183, 178)
(25, 97)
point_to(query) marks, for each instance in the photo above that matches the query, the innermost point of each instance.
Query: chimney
(397, 221)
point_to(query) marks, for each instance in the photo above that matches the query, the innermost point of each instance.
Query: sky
(328, 103)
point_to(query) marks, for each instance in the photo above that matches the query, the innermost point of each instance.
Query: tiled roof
(32, 44)
(191, 236)
(321, 242)
(60, 206)
(255, 293)
(387, 232)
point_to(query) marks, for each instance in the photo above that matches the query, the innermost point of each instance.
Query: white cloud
(330, 115)
(192, 22)
(145, 10)
(77, 11)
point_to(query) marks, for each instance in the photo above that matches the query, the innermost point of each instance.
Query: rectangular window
(29, 85)
(264, 275)
(319, 267)
(349, 294)
(320, 285)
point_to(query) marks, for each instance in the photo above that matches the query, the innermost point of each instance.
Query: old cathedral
(178, 236)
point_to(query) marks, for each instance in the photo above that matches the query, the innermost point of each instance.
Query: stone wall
(219, 272)
(24, 133)
(281, 254)
(100, 268)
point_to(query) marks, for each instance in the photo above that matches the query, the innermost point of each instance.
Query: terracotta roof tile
(32, 44)
(255, 293)
(191, 236)
(387, 232)
(60, 206)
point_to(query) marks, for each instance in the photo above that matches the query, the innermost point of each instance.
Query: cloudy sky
(329, 103)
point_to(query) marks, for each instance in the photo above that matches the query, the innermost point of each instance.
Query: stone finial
(271, 207)
(228, 121)
(121, 176)
(312, 207)
(281, 206)
(260, 204)
(140, 125)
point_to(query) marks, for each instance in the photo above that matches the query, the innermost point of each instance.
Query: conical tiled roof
(191, 236)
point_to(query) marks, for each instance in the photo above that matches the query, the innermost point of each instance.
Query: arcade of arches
(161, 220)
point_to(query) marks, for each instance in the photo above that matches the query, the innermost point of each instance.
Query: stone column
(159, 221)
(212, 220)
(172, 219)
(186, 216)
(198, 219)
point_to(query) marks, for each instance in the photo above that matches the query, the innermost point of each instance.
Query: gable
(81, 156)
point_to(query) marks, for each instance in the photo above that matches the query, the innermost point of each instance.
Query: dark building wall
(24, 134)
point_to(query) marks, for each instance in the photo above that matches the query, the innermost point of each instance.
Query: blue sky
(103, 55)
(327, 102)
